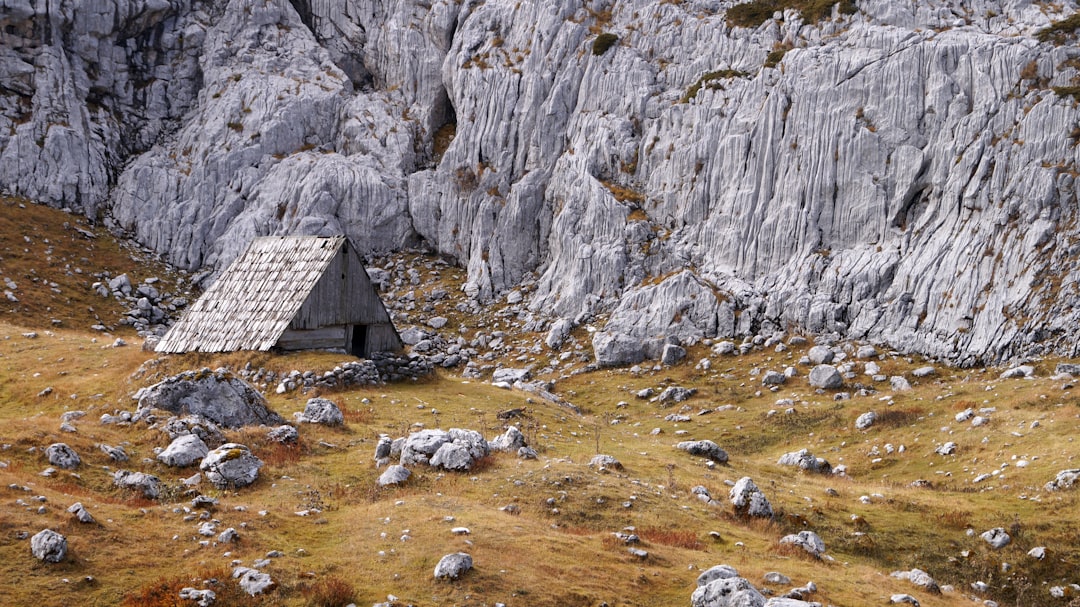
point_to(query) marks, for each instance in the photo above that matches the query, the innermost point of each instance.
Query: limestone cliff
(903, 173)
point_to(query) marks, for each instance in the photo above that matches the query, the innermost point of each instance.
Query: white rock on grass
(184, 451)
(231, 465)
(997, 537)
(218, 396)
(704, 448)
(253, 581)
(49, 546)
(807, 540)
(899, 383)
(202, 598)
(946, 449)
(727, 592)
(601, 461)
(826, 377)
(509, 441)
(80, 513)
(62, 456)
(283, 434)
(749, 500)
(716, 572)
(1037, 553)
(453, 566)
(805, 460)
(394, 475)
(148, 485)
(1064, 480)
(919, 578)
(906, 599)
(866, 420)
(321, 411)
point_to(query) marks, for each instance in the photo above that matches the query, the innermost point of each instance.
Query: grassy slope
(537, 557)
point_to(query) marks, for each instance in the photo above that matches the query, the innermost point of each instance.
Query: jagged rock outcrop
(903, 175)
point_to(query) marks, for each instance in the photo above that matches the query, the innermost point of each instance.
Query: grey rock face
(826, 376)
(394, 475)
(184, 451)
(231, 465)
(727, 592)
(48, 546)
(148, 485)
(217, 396)
(62, 456)
(704, 448)
(453, 566)
(807, 540)
(749, 500)
(321, 411)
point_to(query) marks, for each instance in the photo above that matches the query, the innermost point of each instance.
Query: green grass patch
(1061, 32)
(603, 42)
(756, 12)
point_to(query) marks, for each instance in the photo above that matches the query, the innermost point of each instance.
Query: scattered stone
(805, 460)
(704, 448)
(947, 449)
(49, 546)
(923, 372)
(218, 396)
(866, 420)
(148, 485)
(1070, 368)
(919, 578)
(826, 377)
(716, 572)
(820, 355)
(997, 537)
(899, 383)
(775, 577)
(510, 376)
(904, 598)
(283, 434)
(727, 592)
(202, 598)
(62, 456)
(80, 513)
(321, 411)
(724, 348)
(773, 378)
(228, 536)
(865, 352)
(184, 451)
(231, 465)
(1020, 372)
(749, 500)
(117, 454)
(253, 581)
(602, 462)
(807, 540)
(676, 394)
(1064, 480)
(1038, 553)
(453, 566)
(509, 441)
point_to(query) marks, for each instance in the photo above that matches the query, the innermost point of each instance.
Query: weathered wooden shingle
(255, 299)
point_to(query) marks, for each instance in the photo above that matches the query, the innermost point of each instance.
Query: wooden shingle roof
(252, 302)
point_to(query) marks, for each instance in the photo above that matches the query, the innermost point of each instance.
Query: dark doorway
(359, 341)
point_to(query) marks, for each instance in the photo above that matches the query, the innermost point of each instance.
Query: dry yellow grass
(559, 553)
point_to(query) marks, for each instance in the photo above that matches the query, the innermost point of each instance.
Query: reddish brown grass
(330, 591)
(673, 538)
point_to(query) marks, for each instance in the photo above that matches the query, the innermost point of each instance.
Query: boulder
(509, 441)
(453, 566)
(253, 581)
(217, 396)
(321, 411)
(749, 500)
(773, 378)
(864, 421)
(899, 383)
(806, 461)
(231, 465)
(601, 462)
(807, 540)
(48, 546)
(704, 448)
(1019, 372)
(510, 376)
(919, 578)
(617, 349)
(906, 599)
(184, 451)
(62, 456)
(283, 434)
(820, 355)
(716, 572)
(452, 456)
(473, 441)
(865, 352)
(148, 485)
(673, 354)
(420, 446)
(557, 333)
(383, 447)
(80, 513)
(676, 394)
(923, 372)
(194, 424)
(202, 598)
(826, 377)
(394, 475)
(727, 592)
(946, 449)
(1064, 480)
(997, 537)
(1070, 368)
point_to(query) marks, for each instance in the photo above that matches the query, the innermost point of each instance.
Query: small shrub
(603, 42)
(1068, 91)
(777, 55)
(1061, 32)
(709, 80)
(330, 591)
(236, 126)
(895, 418)
(753, 14)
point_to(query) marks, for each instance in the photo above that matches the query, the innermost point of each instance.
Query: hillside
(540, 531)
(902, 173)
